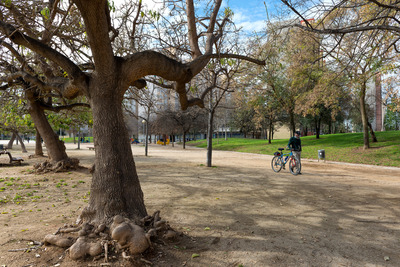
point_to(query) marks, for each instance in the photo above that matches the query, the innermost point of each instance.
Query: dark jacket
(295, 143)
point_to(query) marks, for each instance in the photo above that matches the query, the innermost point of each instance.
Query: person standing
(295, 144)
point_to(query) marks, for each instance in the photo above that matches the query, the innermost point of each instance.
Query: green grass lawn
(338, 147)
(71, 139)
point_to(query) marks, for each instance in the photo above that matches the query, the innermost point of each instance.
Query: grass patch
(338, 147)
(71, 139)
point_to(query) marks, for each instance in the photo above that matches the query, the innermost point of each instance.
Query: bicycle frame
(288, 156)
(279, 162)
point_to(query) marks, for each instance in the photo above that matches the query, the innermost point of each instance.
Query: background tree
(244, 112)
(216, 77)
(38, 92)
(370, 24)
(362, 61)
(115, 188)
(13, 118)
(266, 114)
(184, 121)
(392, 103)
(148, 98)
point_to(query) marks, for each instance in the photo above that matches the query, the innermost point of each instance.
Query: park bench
(91, 147)
(3, 151)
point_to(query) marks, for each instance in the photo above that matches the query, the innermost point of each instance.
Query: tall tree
(368, 29)
(362, 62)
(217, 79)
(115, 189)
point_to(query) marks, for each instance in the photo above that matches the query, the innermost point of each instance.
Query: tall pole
(146, 134)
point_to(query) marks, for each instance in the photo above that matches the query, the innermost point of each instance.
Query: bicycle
(280, 159)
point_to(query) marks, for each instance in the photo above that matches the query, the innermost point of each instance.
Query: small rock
(386, 258)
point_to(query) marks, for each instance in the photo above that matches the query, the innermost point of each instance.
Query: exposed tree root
(34, 245)
(36, 156)
(59, 166)
(121, 238)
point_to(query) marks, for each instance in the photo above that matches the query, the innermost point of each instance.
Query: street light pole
(145, 130)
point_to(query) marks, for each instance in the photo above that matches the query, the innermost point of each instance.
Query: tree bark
(11, 142)
(271, 129)
(364, 118)
(55, 147)
(330, 126)
(292, 123)
(23, 148)
(373, 136)
(38, 144)
(317, 127)
(184, 140)
(115, 188)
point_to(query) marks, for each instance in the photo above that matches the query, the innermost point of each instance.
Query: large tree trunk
(364, 118)
(115, 188)
(55, 147)
(38, 144)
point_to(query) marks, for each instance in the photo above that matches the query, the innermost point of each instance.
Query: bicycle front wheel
(276, 163)
(294, 166)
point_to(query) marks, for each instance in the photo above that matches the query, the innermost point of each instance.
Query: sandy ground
(237, 213)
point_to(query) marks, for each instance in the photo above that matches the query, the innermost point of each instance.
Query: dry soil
(237, 213)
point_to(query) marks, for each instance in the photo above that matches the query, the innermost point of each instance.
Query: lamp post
(145, 133)
(144, 125)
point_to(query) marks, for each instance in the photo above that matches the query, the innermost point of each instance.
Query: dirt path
(237, 213)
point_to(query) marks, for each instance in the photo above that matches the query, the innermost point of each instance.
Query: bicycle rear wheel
(276, 163)
(294, 166)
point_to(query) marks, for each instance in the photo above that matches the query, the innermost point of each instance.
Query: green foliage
(228, 61)
(68, 119)
(392, 120)
(338, 147)
(111, 5)
(154, 15)
(45, 12)
(7, 3)
(13, 115)
(193, 89)
(228, 12)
